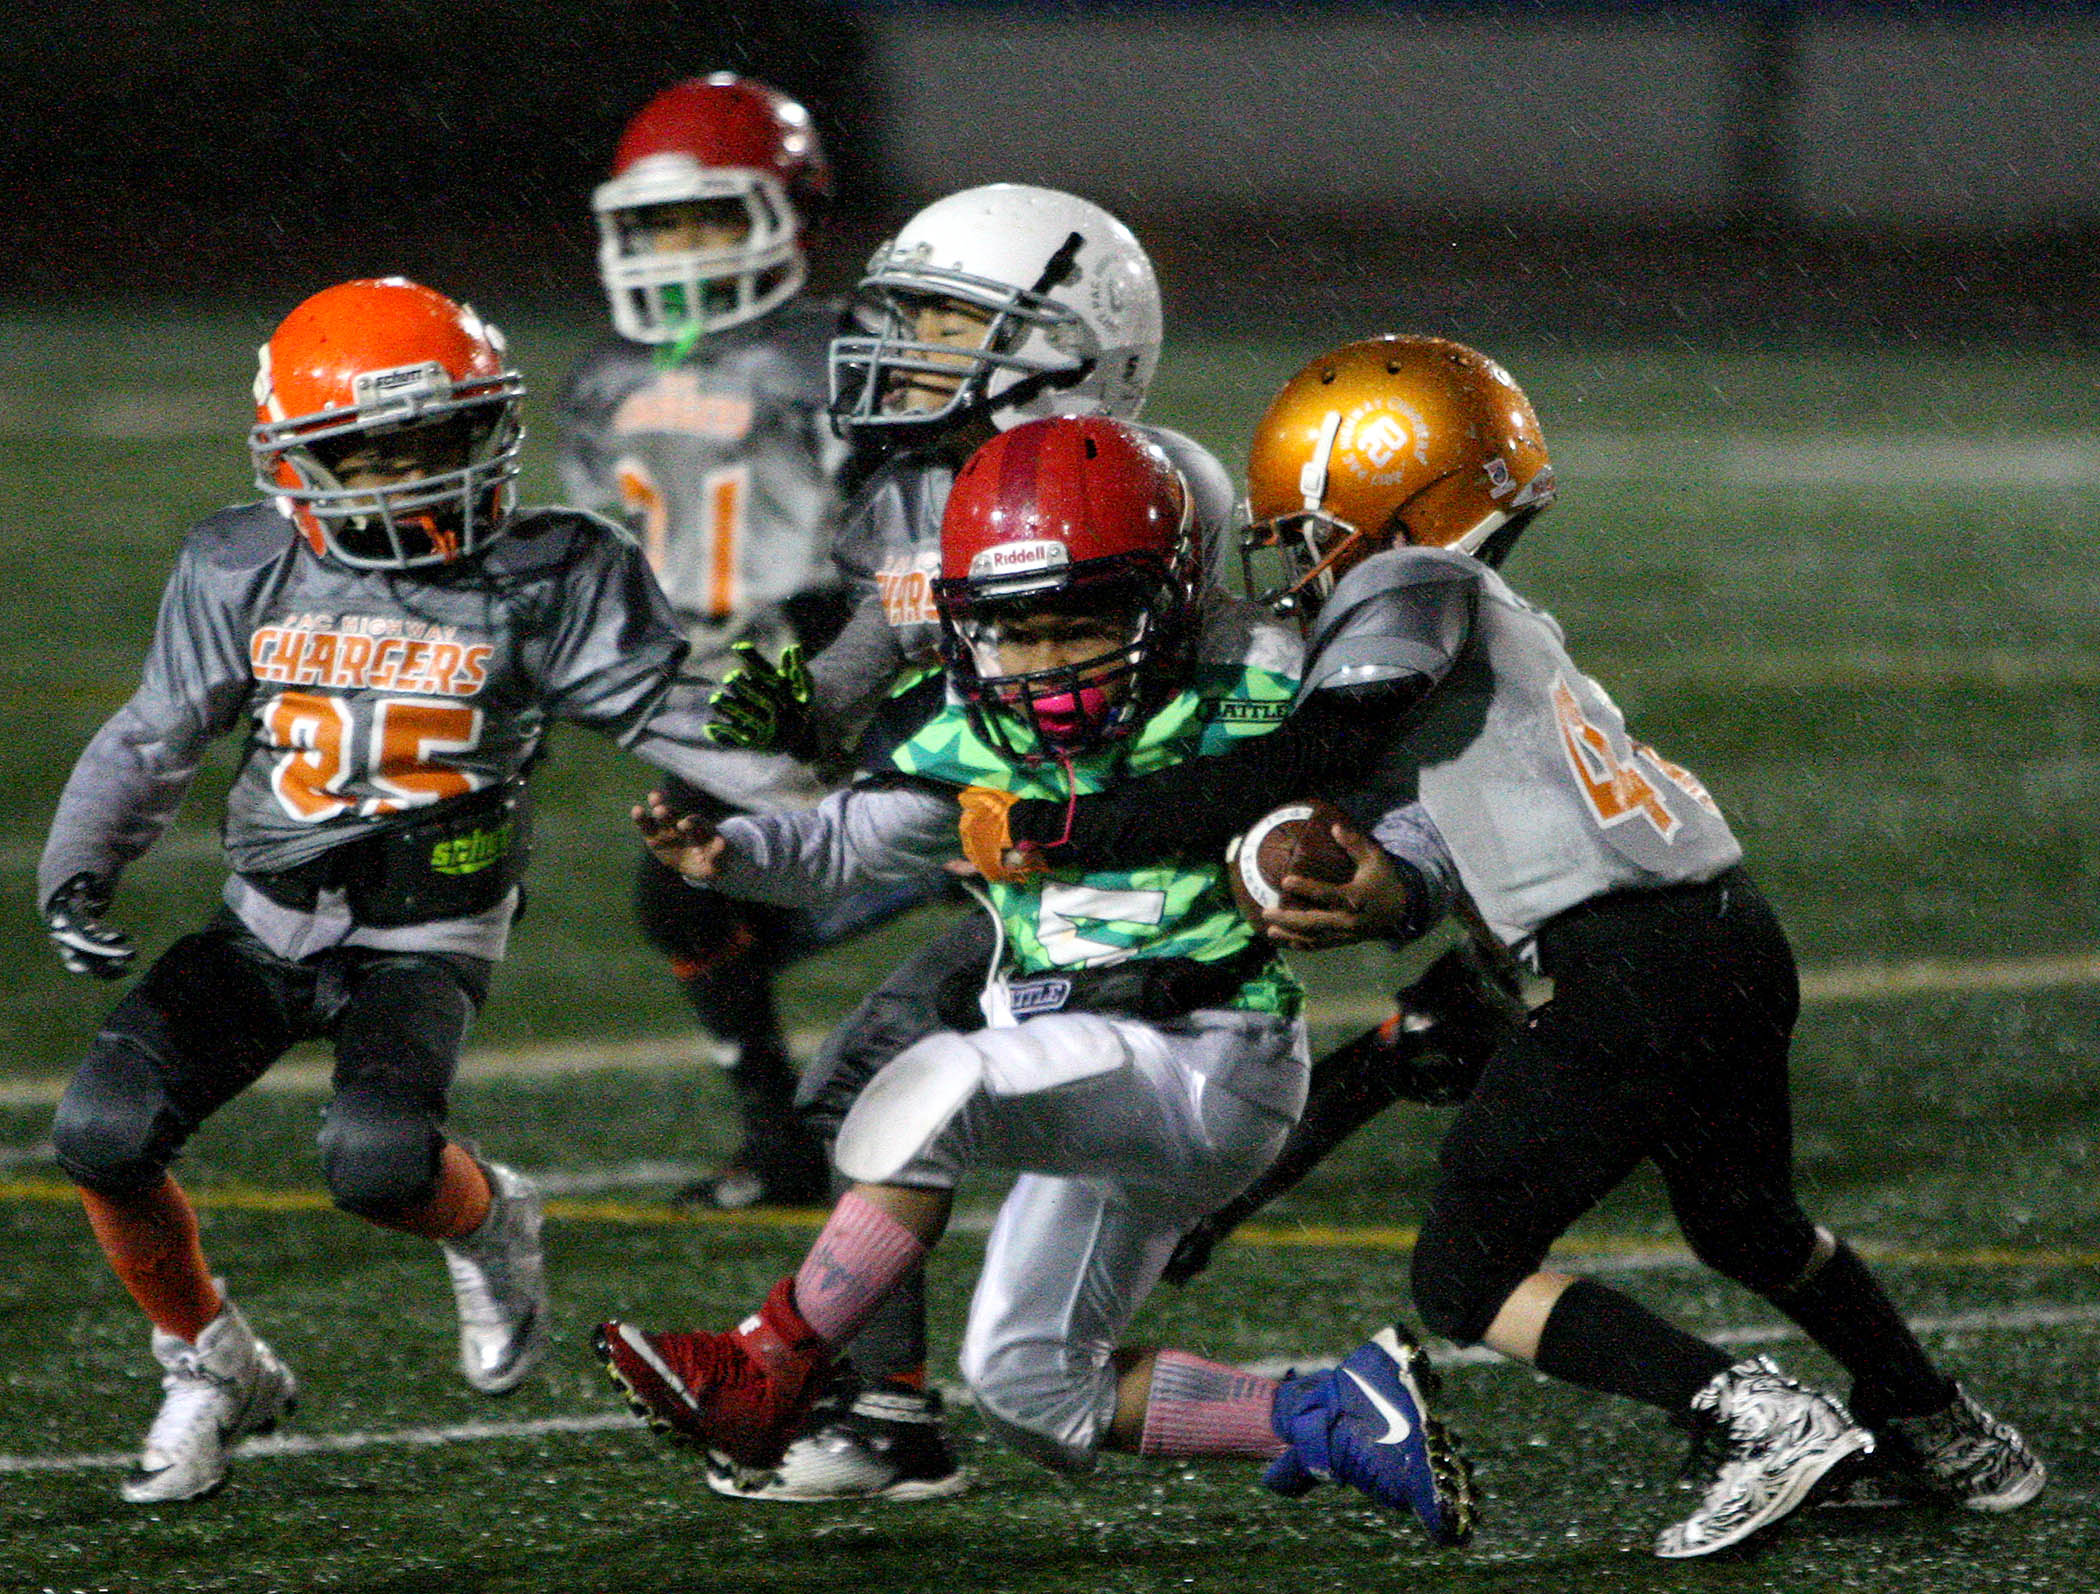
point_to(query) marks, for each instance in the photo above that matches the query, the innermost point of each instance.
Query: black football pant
(218, 1008)
(1665, 1038)
(726, 952)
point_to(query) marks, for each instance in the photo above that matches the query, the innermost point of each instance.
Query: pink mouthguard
(1066, 716)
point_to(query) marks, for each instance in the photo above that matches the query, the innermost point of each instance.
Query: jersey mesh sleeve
(131, 779)
(852, 676)
(859, 837)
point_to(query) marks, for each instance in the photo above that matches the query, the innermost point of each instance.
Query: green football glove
(763, 707)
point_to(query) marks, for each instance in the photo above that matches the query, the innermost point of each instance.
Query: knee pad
(1040, 1406)
(904, 1108)
(1458, 1286)
(379, 1157)
(1766, 1252)
(116, 1131)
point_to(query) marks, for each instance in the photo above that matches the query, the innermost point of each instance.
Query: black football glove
(763, 707)
(73, 918)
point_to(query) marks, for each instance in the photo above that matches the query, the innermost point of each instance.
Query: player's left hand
(764, 707)
(73, 919)
(1370, 905)
(684, 842)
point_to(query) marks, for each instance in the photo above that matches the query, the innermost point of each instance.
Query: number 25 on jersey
(326, 764)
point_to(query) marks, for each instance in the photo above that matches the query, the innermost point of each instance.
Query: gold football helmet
(1394, 439)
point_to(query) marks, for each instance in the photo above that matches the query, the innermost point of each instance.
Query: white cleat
(1962, 1455)
(500, 1284)
(886, 1443)
(227, 1384)
(1774, 1442)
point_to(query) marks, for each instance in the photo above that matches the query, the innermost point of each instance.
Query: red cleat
(740, 1394)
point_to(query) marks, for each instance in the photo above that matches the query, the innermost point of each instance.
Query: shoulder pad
(890, 510)
(1236, 630)
(542, 538)
(1406, 613)
(806, 321)
(610, 367)
(243, 537)
(788, 350)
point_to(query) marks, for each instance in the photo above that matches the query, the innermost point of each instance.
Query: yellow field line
(1277, 1236)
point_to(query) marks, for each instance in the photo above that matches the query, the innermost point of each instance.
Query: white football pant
(1124, 1134)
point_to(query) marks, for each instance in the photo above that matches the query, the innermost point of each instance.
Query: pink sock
(1200, 1408)
(857, 1261)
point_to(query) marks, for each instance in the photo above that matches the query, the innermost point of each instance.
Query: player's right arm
(131, 779)
(866, 835)
(1389, 636)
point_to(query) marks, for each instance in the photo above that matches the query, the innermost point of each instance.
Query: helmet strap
(676, 352)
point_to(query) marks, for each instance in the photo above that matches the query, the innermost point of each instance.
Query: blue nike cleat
(1366, 1423)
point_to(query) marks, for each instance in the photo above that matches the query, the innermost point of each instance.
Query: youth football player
(391, 637)
(1393, 475)
(702, 423)
(990, 308)
(1143, 1056)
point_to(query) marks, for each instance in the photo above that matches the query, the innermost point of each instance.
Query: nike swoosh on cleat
(1398, 1428)
(672, 1381)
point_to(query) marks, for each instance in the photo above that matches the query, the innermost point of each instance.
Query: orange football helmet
(412, 397)
(1395, 439)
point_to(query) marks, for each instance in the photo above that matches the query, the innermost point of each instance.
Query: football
(1292, 840)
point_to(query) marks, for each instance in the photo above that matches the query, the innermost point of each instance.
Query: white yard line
(1761, 458)
(307, 1071)
(2022, 1321)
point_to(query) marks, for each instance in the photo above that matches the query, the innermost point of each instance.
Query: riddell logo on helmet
(1020, 559)
(404, 386)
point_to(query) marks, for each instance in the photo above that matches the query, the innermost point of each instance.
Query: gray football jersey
(889, 547)
(1523, 763)
(722, 466)
(369, 696)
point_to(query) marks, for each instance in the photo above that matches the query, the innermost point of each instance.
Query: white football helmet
(1072, 301)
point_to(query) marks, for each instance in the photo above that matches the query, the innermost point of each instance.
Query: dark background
(262, 146)
(256, 149)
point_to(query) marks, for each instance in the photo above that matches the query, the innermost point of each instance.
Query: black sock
(1605, 1341)
(892, 1343)
(1845, 1311)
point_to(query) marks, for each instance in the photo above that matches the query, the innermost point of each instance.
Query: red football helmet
(390, 379)
(1080, 519)
(700, 223)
